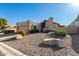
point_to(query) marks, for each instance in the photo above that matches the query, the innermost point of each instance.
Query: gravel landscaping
(1, 54)
(32, 45)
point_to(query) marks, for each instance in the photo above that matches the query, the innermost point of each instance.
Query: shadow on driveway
(53, 47)
(75, 42)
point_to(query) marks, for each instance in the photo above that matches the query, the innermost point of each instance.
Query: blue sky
(37, 12)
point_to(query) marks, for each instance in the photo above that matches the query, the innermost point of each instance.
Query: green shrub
(33, 31)
(60, 32)
(21, 33)
(46, 31)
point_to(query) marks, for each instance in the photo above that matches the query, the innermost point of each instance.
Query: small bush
(21, 33)
(46, 31)
(60, 32)
(33, 31)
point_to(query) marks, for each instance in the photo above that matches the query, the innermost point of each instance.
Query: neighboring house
(9, 27)
(51, 25)
(27, 25)
(73, 28)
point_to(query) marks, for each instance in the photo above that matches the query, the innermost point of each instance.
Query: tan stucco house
(9, 27)
(51, 25)
(27, 25)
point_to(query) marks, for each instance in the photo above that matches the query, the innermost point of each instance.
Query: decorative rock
(50, 41)
(60, 43)
(67, 41)
(54, 41)
(18, 36)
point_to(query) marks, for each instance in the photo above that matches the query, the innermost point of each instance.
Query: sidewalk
(9, 51)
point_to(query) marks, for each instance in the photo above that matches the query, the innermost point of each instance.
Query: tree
(50, 18)
(42, 25)
(3, 22)
(28, 21)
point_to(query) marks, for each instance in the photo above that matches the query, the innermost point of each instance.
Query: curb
(9, 51)
(7, 37)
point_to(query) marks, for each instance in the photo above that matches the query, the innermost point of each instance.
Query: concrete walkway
(7, 50)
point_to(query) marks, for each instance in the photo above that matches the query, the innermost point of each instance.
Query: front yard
(32, 45)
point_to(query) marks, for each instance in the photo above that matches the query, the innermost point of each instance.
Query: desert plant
(21, 33)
